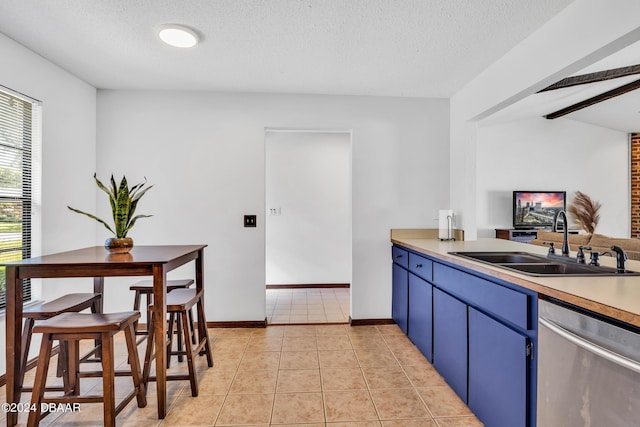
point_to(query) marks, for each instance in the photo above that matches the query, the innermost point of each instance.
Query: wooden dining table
(98, 263)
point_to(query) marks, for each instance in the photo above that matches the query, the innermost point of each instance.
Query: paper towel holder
(447, 235)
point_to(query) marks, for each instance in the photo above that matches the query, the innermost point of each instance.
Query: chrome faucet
(565, 229)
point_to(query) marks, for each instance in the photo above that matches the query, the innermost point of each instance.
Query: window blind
(16, 126)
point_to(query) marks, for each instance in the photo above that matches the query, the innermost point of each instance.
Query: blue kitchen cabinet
(498, 372)
(400, 297)
(421, 315)
(478, 331)
(450, 340)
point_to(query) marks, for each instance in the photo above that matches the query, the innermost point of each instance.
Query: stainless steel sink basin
(503, 257)
(539, 265)
(562, 269)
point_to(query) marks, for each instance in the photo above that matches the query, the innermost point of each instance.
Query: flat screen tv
(536, 209)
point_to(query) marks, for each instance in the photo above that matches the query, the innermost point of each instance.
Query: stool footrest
(49, 388)
(92, 398)
(87, 357)
(173, 377)
(197, 349)
(98, 374)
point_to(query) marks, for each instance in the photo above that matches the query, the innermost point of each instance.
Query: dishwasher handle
(607, 354)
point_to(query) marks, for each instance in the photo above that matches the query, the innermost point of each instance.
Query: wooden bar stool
(65, 304)
(73, 327)
(181, 301)
(145, 287)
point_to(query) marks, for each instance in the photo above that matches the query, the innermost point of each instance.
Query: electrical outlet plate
(250, 221)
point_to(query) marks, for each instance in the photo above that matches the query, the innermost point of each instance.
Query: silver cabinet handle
(398, 256)
(418, 265)
(607, 354)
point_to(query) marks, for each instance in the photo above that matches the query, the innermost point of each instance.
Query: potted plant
(124, 201)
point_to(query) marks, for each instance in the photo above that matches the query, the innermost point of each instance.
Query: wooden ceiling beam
(596, 99)
(594, 77)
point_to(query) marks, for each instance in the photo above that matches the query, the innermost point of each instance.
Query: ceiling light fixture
(178, 35)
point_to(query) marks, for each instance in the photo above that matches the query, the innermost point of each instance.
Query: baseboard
(239, 324)
(307, 323)
(366, 322)
(310, 286)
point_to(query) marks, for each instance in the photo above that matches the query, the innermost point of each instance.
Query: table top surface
(139, 255)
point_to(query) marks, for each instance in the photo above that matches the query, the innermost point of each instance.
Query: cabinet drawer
(400, 256)
(507, 303)
(421, 266)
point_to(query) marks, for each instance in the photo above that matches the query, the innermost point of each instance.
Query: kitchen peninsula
(615, 297)
(478, 323)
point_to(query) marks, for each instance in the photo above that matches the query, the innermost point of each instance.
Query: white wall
(69, 153)
(581, 34)
(555, 155)
(68, 142)
(308, 186)
(205, 154)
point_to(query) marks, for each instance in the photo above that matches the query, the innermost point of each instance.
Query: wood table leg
(14, 341)
(202, 326)
(98, 288)
(160, 335)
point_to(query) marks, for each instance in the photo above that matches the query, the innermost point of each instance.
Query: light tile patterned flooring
(307, 305)
(303, 375)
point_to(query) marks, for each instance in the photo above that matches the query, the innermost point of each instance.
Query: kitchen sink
(539, 265)
(563, 269)
(503, 257)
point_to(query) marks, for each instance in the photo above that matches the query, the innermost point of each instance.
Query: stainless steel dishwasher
(588, 370)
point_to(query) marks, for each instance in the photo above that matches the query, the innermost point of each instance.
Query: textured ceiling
(415, 48)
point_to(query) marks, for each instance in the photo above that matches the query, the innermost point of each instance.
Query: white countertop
(612, 296)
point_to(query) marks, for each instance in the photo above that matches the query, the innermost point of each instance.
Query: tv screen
(536, 209)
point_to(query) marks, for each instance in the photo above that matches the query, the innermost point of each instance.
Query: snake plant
(124, 201)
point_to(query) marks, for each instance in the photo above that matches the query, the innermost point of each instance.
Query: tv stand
(524, 235)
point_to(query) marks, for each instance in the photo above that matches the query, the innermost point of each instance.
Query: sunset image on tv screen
(537, 209)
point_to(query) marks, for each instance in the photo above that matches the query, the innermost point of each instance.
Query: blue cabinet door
(450, 340)
(400, 297)
(420, 315)
(498, 371)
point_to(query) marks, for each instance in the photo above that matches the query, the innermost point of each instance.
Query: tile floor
(303, 375)
(307, 305)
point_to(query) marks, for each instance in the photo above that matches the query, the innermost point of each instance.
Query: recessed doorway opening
(307, 226)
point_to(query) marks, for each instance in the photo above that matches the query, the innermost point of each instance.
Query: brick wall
(635, 185)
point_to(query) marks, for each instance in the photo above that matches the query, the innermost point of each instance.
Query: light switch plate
(249, 220)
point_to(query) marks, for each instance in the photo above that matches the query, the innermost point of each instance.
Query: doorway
(307, 226)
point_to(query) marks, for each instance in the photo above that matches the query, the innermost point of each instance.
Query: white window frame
(20, 145)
